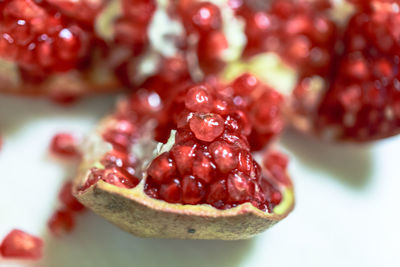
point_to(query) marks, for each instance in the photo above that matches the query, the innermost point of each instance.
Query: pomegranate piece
(64, 145)
(191, 158)
(40, 39)
(61, 222)
(363, 100)
(21, 245)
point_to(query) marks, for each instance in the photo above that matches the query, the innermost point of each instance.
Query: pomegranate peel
(144, 216)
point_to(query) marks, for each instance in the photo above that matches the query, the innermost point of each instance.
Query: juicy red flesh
(64, 145)
(131, 27)
(363, 102)
(210, 161)
(204, 21)
(40, 39)
(21, 245)
(301, 32)
(122, 133)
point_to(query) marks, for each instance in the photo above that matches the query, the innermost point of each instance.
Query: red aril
(64, 145)
(68, 200)
(61, 222)
(21, 245)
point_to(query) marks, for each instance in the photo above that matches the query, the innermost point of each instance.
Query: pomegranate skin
(134, 212)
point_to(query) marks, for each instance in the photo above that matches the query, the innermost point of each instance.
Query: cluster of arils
(348, 75)
(204, 35)
(52, 43)
(299, 31)
(363, 101)
(210, 160)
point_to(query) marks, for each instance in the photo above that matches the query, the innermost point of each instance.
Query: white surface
(347, 211)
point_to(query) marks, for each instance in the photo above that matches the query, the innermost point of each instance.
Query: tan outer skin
(142, 216)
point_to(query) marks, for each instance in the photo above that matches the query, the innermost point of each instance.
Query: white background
(347, 210)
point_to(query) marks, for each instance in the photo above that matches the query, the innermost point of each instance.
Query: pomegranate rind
(135, 212)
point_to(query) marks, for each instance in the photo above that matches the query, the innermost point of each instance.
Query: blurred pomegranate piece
(362, 103)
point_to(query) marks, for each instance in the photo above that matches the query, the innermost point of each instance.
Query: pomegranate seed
(224, 156)
(171, 192)
(245, 84)
(240, 187)
(193, 190)
(210, 51)
(66, 197)
(217, 194)
(162, 169)
(277, 164)
(184, 156)
(198, 99)
(204, 169)
(246, 163)
(206, 127)
(119, 178)
(65, 145)
(21, 245)
(206, 17)
(61, 222)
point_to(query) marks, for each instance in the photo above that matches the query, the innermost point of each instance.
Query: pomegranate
(44, 46)
(360, 99)
(185, 160)
(21, 245)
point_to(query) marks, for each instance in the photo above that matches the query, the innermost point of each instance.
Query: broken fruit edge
(135, 212)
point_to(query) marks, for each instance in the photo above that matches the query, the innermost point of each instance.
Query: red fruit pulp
(211, 153)
(210, 160)
(301, 32)
(40, 39)
(363, 101)
(203, 20)
(21, 245)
